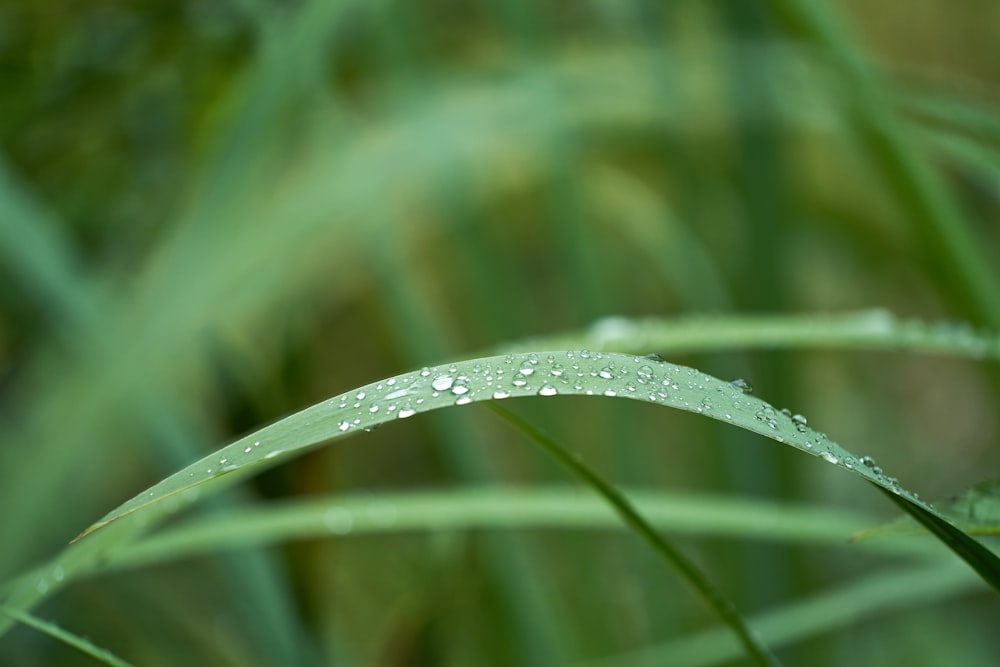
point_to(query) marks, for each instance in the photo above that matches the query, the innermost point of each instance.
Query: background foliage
(213, 214)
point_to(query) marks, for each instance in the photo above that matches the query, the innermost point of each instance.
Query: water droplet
(499, 393)
(425, 372)
(547, 390)
(519, 382)
(644, 372)
(442, 382)
(557, 370)
(786, 412)
(42, 586)
(338, 520)
(801, 423)
(610, 392)
(58, 573)
(606, 373)
(829, 457)
(399, 393)
(247, 450)
(374, 408)
(527, 368)
(390, 382)
(460, 387)
(256, 443)
(406, 412)
(585, 354)
(653, 356)
(742, 385)
(463, 400)
(360, 395)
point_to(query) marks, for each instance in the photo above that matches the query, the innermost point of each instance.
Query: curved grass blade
(542, 374)
(79, 643)
(720, 604)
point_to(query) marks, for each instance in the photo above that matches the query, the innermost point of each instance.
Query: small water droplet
(829, 457)
(606, 373)
(742, 385)
(256, 443)
(425, 372)
(610, 392)
(461, 386)
(360, 395)
(344, 425)
(374, 408)
(653, 356)
(585, 354)
(463, 400)
(499, 394)
(547, 390)
(527, 368)
(406, 412)
(644, 372)
(519, 382)
(58, 573)
(557, 370)
(247, 450)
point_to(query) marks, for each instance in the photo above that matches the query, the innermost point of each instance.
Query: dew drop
(744, 386)
(829, 457)
(653, 356)
(360, 395)
(499, 393)
(547, 390)
(644, 372)
(463, 400)
(557, 370)
(527, 368)
(460, 387)
(405, 412)
(442, 382)
(606, 373)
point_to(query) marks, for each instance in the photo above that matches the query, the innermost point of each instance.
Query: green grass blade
(688, 569)
(979, 558)
(543, 374)
(79, 643)
(875, 329)
(871, 597)
(501, 508)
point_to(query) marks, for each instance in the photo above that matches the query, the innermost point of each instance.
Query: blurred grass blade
(685, 567)
(501, 508)
(872, 597)
(79, 643)
(874, 329)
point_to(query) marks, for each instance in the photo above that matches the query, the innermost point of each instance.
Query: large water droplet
(442, 382)
(547, 390)
(829, 457)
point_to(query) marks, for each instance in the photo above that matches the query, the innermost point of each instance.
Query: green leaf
(542, 374)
